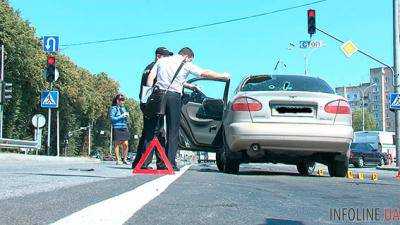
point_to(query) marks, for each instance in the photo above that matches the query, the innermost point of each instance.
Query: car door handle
(213, 127)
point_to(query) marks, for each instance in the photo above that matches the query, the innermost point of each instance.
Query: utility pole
(49, 126)
(383, 100)
(58, 132)
(1, 85)
(395, 75)
(363, 103)
(90, 139)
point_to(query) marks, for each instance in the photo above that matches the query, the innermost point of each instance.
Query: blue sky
(246, 47)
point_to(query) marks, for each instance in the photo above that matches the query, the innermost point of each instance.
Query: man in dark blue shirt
(148, 123)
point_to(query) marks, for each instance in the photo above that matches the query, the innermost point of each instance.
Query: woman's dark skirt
(121, 134)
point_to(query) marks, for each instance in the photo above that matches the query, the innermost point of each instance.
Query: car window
(361, 147)
(287, 83)
(206, 89)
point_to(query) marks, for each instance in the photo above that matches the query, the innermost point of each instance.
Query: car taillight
(246, 104)
(338, 107)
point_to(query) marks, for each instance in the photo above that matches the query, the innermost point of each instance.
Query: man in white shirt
(164, 70)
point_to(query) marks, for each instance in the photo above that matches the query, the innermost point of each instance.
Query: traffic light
(6, 91)
(311, 21)
(51, 68)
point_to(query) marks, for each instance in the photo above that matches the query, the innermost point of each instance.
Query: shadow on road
(62, 175)
(120, 167)
(271, 221)
(250, 172)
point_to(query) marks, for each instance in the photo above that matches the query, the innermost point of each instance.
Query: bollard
(361, 176)
(374, 176)
(320, 172)
(350, 174)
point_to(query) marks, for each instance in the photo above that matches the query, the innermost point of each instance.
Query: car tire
(382, 162)
(306, 168)
(338, 168)
(219, 161)
(230, 166)
(360, 162)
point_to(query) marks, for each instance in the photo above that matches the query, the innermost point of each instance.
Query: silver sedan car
(288, 119)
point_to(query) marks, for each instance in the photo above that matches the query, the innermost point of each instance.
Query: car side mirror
(212, 109)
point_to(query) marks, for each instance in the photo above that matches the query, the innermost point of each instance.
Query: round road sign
(38, 120)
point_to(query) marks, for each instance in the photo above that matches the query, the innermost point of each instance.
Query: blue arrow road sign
(49, 99)
(394, 99)
(51, 43)
(304, 44)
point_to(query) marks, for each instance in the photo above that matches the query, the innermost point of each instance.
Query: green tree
(85, 98)
(369, 120)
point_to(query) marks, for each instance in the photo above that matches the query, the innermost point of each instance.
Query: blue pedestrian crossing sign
(394, 99)
(51, 43)
(49, 99)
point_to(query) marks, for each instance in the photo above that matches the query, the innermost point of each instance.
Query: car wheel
(230, 165)
(219, 161)
(306, 168)
(338, 168)
(382, 162)
(360, 162)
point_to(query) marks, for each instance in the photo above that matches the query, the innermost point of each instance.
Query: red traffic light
(311, 13)
(311, 21)
(51, 60)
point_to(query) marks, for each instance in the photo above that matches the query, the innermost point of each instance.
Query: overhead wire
(193, 27)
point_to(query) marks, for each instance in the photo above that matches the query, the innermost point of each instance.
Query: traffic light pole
(396, 76)
(49, 127)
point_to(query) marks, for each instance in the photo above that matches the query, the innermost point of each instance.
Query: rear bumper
(299, 138)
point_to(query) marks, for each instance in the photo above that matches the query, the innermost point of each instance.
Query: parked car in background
(381, 140)
(363, 154)
(288, 119)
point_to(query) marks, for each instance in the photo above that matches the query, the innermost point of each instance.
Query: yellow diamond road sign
(349, 48)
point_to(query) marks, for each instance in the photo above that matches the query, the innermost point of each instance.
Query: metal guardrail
(14, 143)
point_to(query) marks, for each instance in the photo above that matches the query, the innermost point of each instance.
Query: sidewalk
(388, 167)
(13, 158)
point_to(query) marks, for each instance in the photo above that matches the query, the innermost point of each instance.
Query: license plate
(294, 110)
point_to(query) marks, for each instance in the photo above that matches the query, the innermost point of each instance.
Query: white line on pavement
(117, 210)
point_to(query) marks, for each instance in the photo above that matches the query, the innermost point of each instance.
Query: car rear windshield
(361, 147)
(287, 83)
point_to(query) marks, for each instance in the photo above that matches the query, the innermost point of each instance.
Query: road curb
(387, 168)
(13, 157)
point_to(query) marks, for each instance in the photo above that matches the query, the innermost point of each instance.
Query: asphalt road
(261, 194)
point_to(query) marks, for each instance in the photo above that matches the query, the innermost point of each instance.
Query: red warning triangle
(154, 143)
(397, 175)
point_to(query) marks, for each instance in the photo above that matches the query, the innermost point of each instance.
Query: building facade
(384, 79)
(376, 92)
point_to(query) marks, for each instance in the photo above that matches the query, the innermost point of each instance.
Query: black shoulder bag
(155, 105)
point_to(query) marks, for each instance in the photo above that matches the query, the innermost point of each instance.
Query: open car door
(202, 113)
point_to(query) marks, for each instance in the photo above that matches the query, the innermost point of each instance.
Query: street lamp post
(306, 59)
(305, 55)
(363, 104)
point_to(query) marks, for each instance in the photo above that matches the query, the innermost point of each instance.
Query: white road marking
(117, 210)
